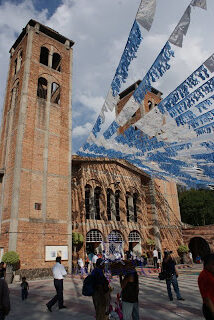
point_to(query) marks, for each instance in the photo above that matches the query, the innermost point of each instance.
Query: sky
(100, 30)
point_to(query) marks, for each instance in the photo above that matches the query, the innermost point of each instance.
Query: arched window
(55, 93)
(14, 95)
(18, 62)
(150, 105)
(97, 193)
(134, 236)
(56, 62)
(127, 205)
(109, 193)
(94, 236)
(135, 197)
(15, 66)
(88, 201)
(117, 204)
(115, 236)
(42, 88)
(44, 54)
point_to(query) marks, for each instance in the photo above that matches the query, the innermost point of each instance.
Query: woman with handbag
(171, 274)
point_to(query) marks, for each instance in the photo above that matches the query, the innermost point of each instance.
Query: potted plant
(182, 251)
(11, 258)
(77, 241)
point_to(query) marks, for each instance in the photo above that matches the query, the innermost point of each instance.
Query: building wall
(37, 166)
(104, 173)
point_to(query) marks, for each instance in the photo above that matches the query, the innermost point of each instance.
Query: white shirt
(59, 271)
(94, 259)
(80, 263)
(155, 253)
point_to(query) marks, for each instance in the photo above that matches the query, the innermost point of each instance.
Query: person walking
(190, 258)
(130, 291)
(101, 296)
(25, 287)
(155, 257)
(159, 259)
(81, 267)
(4, 299)
(2, 271)
(206, 286)
(168, 267)
(58, 273)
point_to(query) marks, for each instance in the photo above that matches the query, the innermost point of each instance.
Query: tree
(77, 240)
(196, 206)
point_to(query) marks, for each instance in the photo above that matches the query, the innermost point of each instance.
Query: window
(135, 196)
(150, 105)
(115, 236)
(14, 95)
(42, 88)
(134, 236)
(109, 191)
(55, 93)
(117, 204)
(127, 205)
(94, 236)
(18, 62)
(38, 206)
(44, 53)
(15, 66)
(97, 193)
(56, 62)
(87, 201)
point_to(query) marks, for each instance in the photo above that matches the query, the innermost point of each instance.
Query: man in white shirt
(58, 274)
(155, 257)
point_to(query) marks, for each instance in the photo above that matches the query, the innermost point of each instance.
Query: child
(25, 288)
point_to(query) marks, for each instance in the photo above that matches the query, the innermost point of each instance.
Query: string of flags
(175, 139)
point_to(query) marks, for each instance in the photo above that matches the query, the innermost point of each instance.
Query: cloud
(82, 130)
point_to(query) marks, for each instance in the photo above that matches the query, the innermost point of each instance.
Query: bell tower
(35, 147)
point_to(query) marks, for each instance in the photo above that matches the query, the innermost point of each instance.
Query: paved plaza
(153, 299)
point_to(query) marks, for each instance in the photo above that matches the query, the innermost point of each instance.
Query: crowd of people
(100, 290)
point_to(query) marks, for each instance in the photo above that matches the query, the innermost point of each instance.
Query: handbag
(162, 275)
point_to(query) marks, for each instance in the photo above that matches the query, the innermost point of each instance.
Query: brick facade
(35, 148)
(121, 176)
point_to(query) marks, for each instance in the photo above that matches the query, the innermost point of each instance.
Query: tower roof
(44, 29)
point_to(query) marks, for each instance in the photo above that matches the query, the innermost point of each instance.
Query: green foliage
(10, 258)
(182, 249)
(150, 242)
(77, 238)
(196, 206)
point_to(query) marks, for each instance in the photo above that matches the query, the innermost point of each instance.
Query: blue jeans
(174, 282)
(24, 294)
(130, 310)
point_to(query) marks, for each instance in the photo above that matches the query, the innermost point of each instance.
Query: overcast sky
(100, 29)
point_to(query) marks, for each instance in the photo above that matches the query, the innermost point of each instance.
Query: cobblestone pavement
(153, 299)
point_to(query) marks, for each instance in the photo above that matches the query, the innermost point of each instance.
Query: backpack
(88, 286)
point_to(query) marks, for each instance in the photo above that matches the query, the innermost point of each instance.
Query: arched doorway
(199, 247)
(135, 243)
(94, 241)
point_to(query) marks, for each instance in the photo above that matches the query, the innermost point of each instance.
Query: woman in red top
(206, 286)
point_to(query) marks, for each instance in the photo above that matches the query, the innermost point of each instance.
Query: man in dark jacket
(4, 299)
(101, 292)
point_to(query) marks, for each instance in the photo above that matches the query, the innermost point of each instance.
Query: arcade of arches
(199, 239)
(113, 200)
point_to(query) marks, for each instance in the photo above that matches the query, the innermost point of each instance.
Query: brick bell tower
(35, 148)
